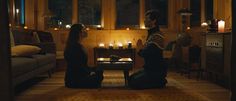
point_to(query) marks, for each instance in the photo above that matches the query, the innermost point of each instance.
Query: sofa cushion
(43, 59)
(21, 65)
(24, 50)
(12, 39)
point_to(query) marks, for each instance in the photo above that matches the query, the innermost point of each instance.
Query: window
(195, 18)
(161, 6)
(20, 12)
(89, 12)
(62, 12)
(209, 9)
(127, 13)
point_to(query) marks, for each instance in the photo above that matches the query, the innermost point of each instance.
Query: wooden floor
(179, 88)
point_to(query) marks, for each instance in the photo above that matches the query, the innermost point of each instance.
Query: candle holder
(120, 46)
(129, 44)
(110, 46)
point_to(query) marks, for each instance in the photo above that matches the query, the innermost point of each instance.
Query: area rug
(113, 90)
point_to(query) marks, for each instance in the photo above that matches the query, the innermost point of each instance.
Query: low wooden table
(124, 64)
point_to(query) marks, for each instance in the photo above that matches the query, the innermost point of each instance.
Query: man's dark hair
(154, 15)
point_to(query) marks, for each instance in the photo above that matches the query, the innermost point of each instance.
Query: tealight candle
(129, 44)
(56, 29)
(99, 27)
(101, 45)
(221, 26)
(204, 26)
(120, 46)
(110, 46)
(25, 27)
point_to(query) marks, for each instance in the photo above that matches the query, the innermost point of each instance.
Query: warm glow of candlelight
(111, 44)
(204, 24)
(68, 26)
(100, 59)
(221, 26)
(25, 27)
(87, 29)
(129, 44)
(60, 23)
(17, 11)
(101, 45)
(127, 28)
(99, 26)
(188, 28)
(143, 27)
(55, 29)
(120, 45)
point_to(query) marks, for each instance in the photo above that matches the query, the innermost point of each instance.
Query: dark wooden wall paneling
(6, 90)
(233, 54)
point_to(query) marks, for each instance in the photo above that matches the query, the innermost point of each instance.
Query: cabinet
(217, 52)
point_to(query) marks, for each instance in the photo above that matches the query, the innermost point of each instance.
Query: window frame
(76, 16)
(129, 27)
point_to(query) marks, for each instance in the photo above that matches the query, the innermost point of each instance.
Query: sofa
(29, 66)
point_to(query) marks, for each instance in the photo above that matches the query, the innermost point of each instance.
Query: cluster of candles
(119, 45)
(221, 26)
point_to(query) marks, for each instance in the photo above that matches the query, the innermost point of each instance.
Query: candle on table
(101, 45)
(129, 44)
(110, 46)
(120, 46)
(221, 26)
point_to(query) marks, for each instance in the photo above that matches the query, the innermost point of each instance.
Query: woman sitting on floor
(78, 73)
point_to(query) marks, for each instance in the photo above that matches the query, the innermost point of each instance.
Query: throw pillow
(12, 39)
(24, 50)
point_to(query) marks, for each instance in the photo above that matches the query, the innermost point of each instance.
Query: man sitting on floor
(155, 69)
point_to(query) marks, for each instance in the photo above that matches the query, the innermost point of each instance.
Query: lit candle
(55, 29)
(99, 27)
(204, 26)
(129, 44)
(101, 45)
(110, 46)
(143, 27)
(17, 11)
(68, 26)
(221, 26)
(188, 28)
(87, 29)
(25, 27)
(17, 16)
(120, 46)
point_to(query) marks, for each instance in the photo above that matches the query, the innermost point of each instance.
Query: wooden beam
(233, 53)
(6, 88)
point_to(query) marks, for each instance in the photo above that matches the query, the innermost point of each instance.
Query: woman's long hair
(74, 34)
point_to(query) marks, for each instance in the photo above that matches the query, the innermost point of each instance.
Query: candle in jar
(221, 26)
